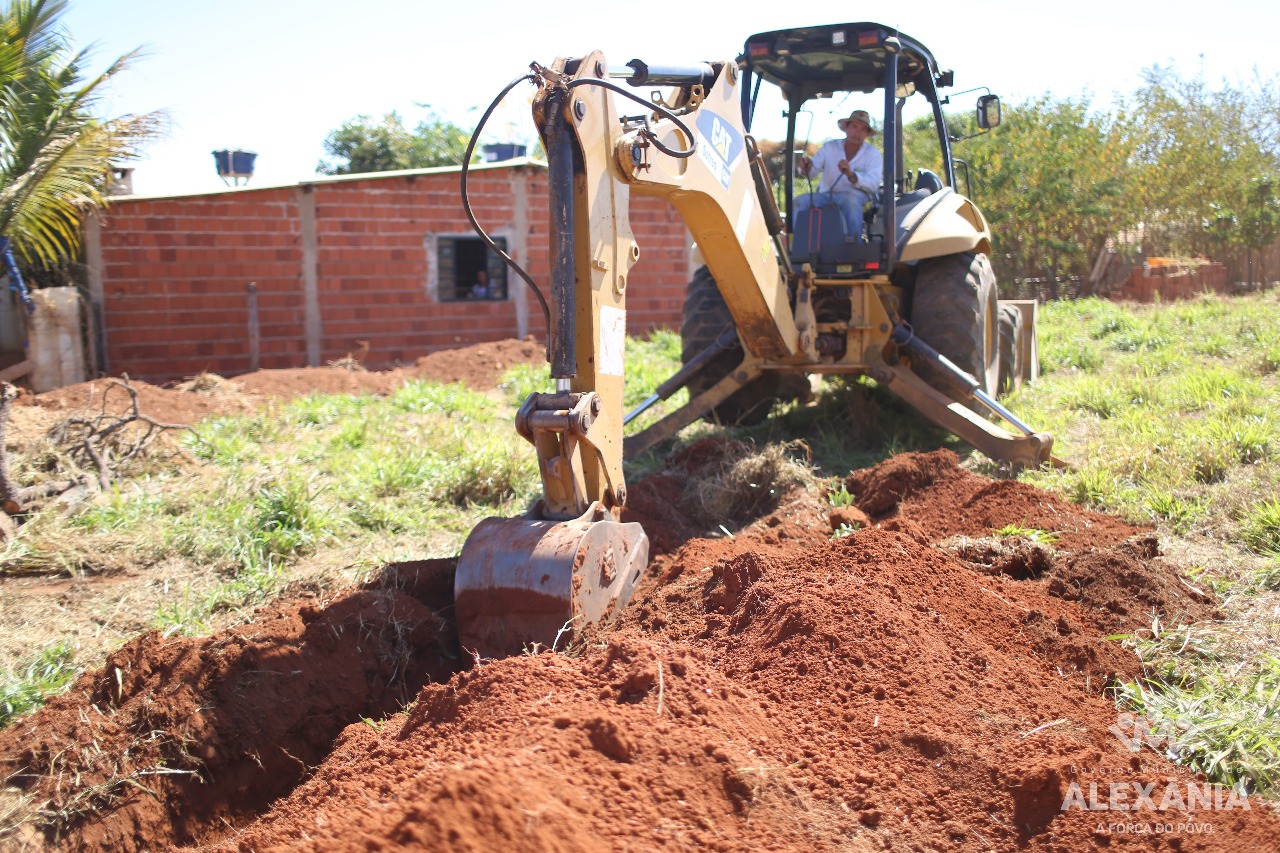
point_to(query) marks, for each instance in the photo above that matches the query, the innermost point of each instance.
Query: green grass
(1035, 534)
(1267, 577)
(525, 379)
(1261, 527)
(189, 612)
(1169, 414)
(1162, 429)
(841, 497)
(45, 675)
(453, 402)
(1217, 707)
(123, 509)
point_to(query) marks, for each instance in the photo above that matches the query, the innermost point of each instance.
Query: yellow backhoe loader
(910, 301)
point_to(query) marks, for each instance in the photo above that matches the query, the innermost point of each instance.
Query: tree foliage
(1053, 183)
(55, 155)
(1177, 168)
(366, 144)
(1200, 152)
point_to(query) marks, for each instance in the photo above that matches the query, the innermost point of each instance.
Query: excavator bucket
(524, 583)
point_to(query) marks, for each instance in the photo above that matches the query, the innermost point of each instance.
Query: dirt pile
(668, 503)
(873, 692)
(479, 367)
(176, 739)
(1112, 567)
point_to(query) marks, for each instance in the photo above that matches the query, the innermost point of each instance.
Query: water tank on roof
(499, 151)
(121, 181)
(234, 166)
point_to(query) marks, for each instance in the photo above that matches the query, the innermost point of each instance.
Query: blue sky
(275, 76)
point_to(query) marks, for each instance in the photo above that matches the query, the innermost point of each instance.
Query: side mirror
(988, 111)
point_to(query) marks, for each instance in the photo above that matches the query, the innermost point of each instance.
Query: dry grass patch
(742, 481)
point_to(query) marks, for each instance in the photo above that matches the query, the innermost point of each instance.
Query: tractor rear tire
(705, 316)
(1010, 349)
(954, 310)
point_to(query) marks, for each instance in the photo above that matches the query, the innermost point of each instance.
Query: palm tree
(55, 155)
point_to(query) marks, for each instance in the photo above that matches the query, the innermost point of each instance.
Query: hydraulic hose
(658, 108)
(572, 84)
(466, 199)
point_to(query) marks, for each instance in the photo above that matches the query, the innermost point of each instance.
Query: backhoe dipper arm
(526, 582)
(534, 581)
(594, 162)
(578, 430)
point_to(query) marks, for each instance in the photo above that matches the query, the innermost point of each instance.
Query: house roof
(514, 163)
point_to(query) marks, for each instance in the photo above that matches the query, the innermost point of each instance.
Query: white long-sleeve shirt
(867, 166)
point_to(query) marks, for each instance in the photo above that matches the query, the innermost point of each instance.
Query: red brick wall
(174, 270)
(174, 276)
(1171, 282)
(373, 264)
(655, 289)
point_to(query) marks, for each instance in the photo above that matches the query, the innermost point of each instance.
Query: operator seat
(815, 229)
(929, 182)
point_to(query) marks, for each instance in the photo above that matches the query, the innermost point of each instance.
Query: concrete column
(516, 286)
(97, 296)
(313, 328)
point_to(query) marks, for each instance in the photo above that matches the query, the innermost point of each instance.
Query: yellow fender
(945, 225)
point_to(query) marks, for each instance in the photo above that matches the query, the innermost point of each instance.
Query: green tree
(1054, 182)
(55, 155)
(365, 144)
(1200, 153)
(1260, 219)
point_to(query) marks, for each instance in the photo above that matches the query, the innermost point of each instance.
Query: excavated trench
(915, 685)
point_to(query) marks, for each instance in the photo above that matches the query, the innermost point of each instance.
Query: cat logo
(720, 139)
(719, 146)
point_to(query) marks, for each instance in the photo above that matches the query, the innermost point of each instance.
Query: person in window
(849, 172)
(480, 289)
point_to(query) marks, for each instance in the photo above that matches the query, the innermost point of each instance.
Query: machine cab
(871, 67)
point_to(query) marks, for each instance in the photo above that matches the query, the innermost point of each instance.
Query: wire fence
(1043, 288)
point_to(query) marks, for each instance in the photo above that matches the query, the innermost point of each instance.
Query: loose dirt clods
(914, 684)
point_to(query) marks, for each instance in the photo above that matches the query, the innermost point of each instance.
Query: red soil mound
(479, 367)
(944, 500)
(176, 739)
(765, 692)
(299, 381)
(162, 404)
(1111, 566)
(869, 693)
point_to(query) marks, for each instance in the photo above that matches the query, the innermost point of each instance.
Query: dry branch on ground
(98, 444)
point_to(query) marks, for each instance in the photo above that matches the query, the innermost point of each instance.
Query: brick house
(385, 258)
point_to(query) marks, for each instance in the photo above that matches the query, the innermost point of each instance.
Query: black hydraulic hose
(755, 95)
(475, 135)
(658, 108)
(466, 200)
(557, 135)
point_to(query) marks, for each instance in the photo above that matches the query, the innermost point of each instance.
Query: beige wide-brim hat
(858, 115)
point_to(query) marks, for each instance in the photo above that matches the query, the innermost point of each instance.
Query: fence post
(254, 334)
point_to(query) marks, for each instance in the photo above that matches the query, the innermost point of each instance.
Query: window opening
(470, 270)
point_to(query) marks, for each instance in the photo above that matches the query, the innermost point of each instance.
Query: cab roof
(806, 62)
